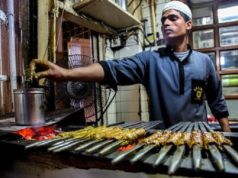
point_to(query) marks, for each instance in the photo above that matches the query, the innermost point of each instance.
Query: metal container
(29, 106)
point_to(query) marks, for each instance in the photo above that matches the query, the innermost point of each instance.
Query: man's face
(174, 27)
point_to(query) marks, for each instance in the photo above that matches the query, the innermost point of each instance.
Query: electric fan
(90, 97)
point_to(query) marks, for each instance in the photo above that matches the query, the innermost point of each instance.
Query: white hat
(180, 6)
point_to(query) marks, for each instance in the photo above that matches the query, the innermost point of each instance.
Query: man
(176, 77)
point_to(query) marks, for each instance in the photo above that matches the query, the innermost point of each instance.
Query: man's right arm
(91, 73)
(47, 69)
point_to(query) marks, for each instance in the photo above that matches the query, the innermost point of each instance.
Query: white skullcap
(180, 6)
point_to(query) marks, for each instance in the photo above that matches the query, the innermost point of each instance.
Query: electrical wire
(136, 7)
(145, 37)
(130, 3)
(107, 106)
(108, 98)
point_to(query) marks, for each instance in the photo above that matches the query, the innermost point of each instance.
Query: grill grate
(174, 159)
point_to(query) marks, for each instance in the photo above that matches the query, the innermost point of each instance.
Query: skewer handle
(94, 148)
(124, 154)
(176, 159)
(216, 157)
(62, 144)
(196, 154)
(68, 146)
(108, 148)
(161, 155)
(87, 144)
(43, 142)
(141, 153)
(233, 153)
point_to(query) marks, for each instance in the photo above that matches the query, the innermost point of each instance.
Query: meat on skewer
(184, 139)
(220, 139)
(196, 139)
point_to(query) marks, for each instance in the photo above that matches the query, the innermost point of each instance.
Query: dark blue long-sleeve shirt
(176, 89)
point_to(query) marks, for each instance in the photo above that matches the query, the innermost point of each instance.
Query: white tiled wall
(126, 105)
(144, 104)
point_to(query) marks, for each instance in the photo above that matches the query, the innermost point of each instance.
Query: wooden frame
(217, 49)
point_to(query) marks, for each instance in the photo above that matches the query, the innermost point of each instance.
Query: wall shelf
(108, 13)
(71, 15)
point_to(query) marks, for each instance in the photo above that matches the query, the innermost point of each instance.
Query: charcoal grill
(169, 159)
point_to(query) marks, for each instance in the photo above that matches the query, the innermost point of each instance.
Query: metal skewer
(216, 157)
(174, 127)
(32, 145)
(196, 126)
(208, 127)
(197, 156)
(53, 147)
(176, 159)
(196, 152)
(50, 142)
(233, 153)
(108, 148)
(161, 155)
(165, 149)
(141, 153)
(96, 147)
(68, 146)
(126, 153)
(196, 149)
(201, 126)
(178, 154)
(38, 143)
(85, 145)
(62, 141)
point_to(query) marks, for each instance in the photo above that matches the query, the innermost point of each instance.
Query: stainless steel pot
(29, 106)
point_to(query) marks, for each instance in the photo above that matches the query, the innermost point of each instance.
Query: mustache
(167, 30)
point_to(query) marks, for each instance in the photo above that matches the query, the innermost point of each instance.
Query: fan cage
(78, 60)
(98, 102)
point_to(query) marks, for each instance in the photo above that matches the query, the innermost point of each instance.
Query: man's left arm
(216, 99)
(224, 123)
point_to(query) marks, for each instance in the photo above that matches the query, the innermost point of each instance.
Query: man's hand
(46, 69)
(224, 123)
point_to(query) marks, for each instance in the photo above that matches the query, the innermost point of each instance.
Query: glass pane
(230, 80)
(230, 90)
(229, 59)
(228, 36)
(203, 39)
(230, 84)
(202, 16)
(213, 57)
(228, 12)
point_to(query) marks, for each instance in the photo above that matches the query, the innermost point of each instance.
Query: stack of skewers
(188, 136)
